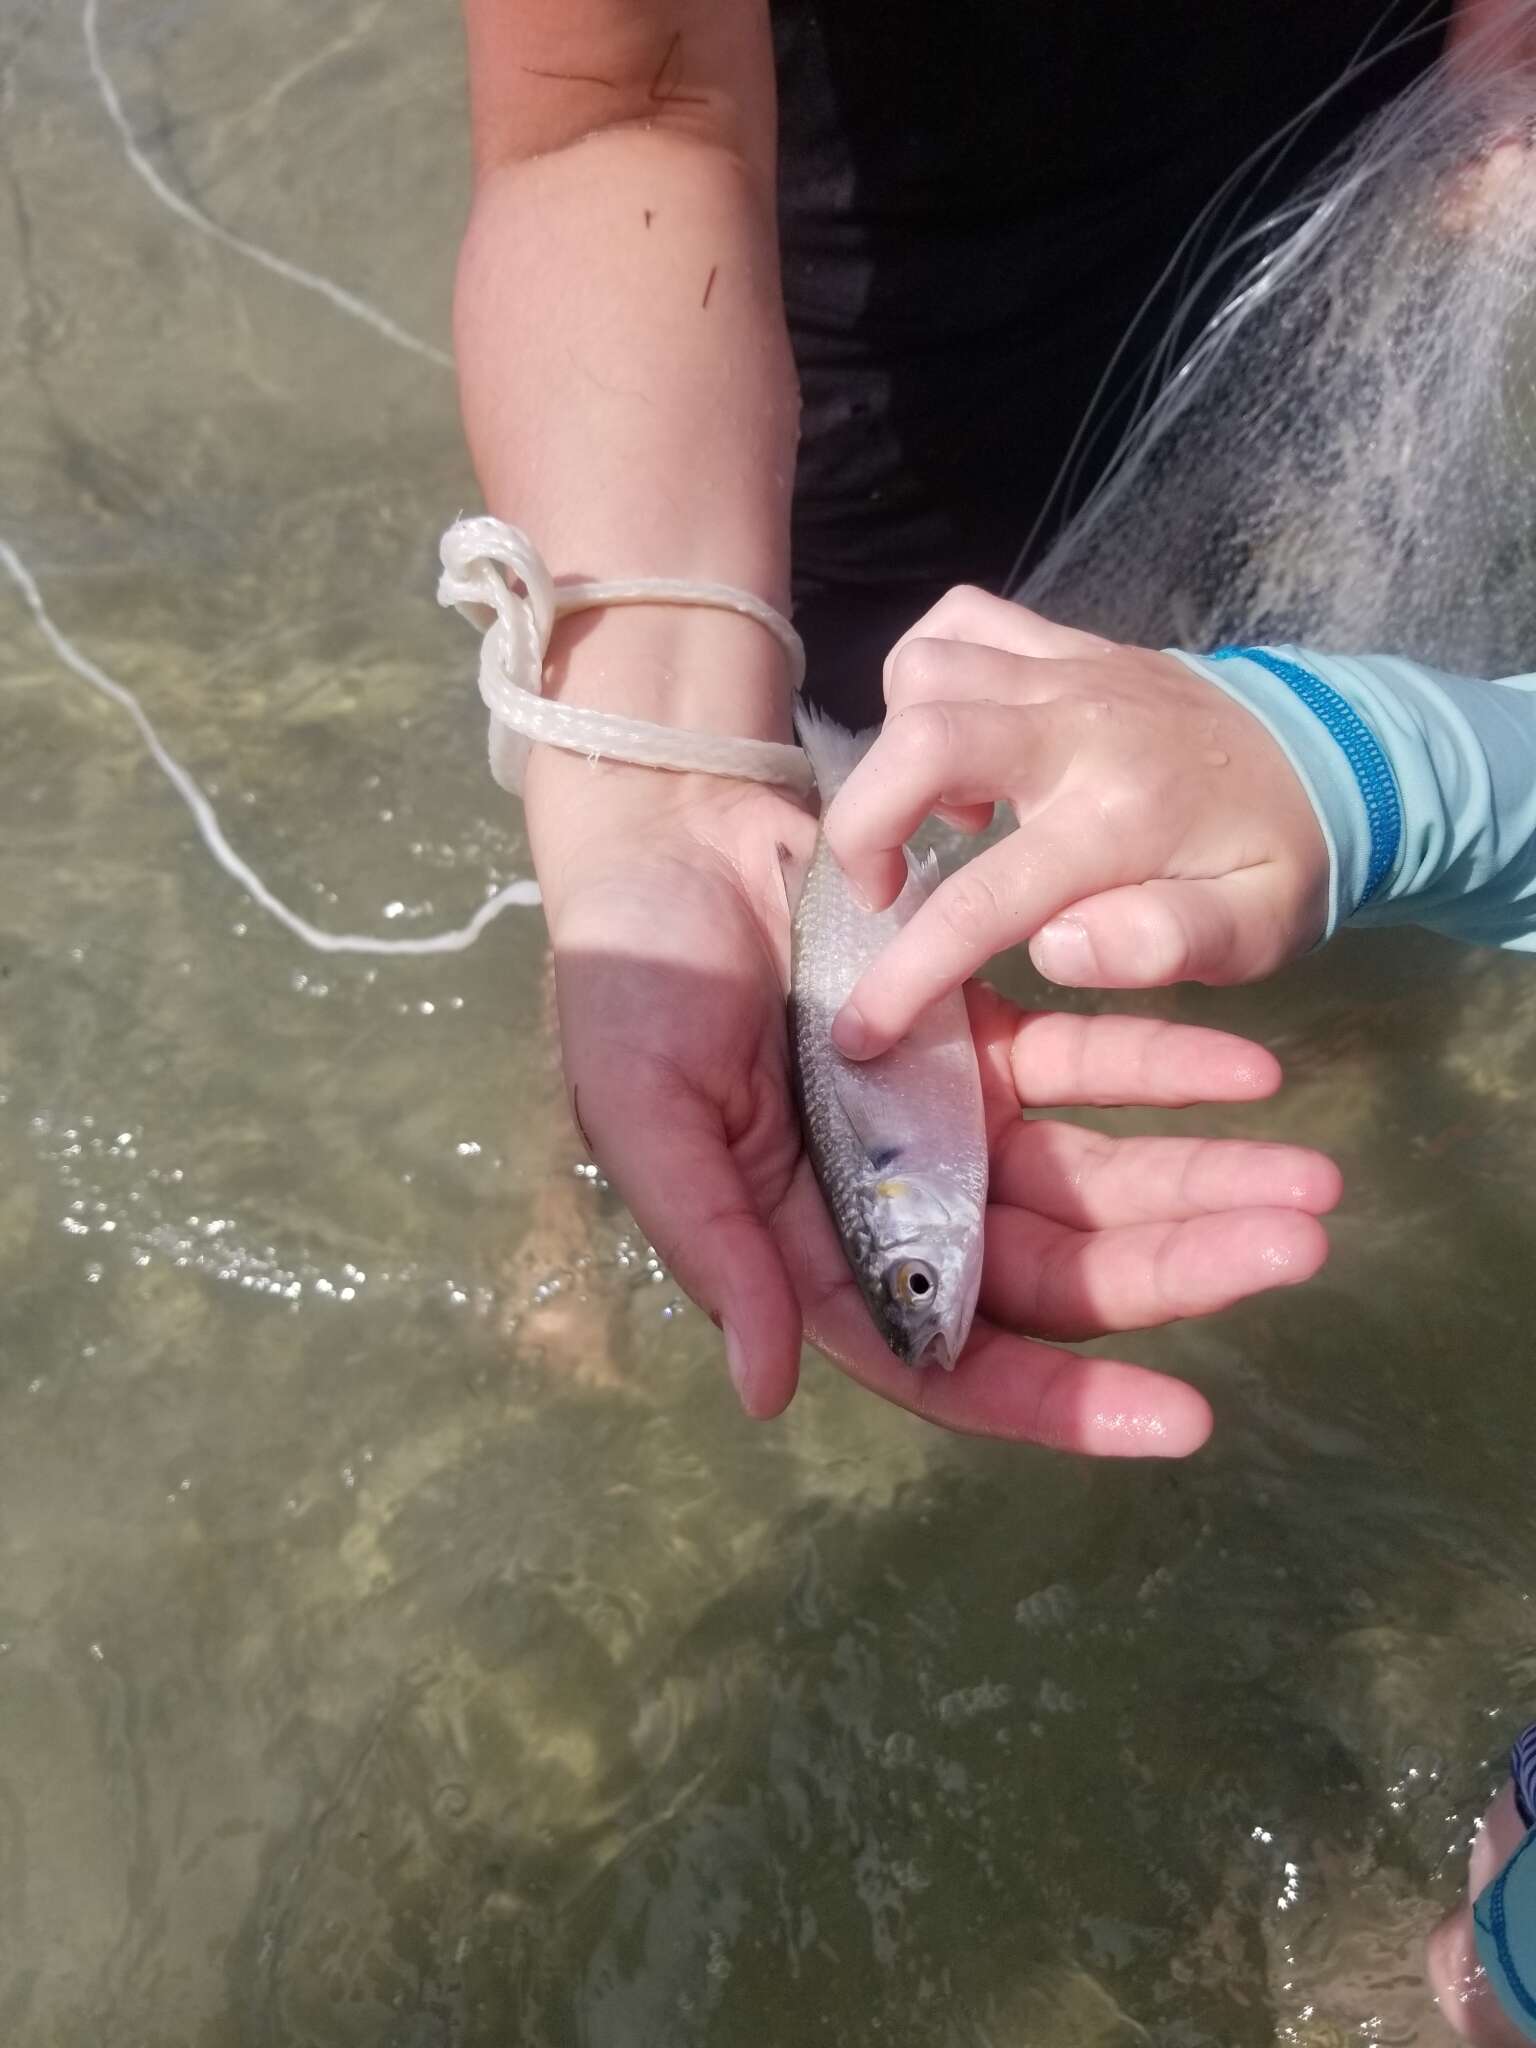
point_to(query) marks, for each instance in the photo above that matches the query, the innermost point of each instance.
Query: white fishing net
(1347, 456)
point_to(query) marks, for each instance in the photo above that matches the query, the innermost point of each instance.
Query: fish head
(921, 1268)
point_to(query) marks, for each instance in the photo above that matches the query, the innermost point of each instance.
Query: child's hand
(1163, 834)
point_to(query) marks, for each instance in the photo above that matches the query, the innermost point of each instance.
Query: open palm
(671, 945)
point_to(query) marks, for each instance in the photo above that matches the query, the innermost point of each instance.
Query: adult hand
(670, 931)
(1163, 834)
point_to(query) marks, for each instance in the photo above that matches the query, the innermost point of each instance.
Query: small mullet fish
(899, 1142)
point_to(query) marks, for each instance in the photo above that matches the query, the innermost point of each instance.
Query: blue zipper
(1361, 748)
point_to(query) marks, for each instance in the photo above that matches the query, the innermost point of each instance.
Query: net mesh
(1346, 457)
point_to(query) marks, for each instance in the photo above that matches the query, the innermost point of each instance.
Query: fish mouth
(933, 1350)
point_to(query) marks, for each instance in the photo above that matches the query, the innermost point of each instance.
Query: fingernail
(850, 1034)
(1064, 953)
(736, 1364)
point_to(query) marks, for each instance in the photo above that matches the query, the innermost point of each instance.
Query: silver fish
(899, 1143)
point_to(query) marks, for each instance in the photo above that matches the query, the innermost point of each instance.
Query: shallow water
(402, 1641)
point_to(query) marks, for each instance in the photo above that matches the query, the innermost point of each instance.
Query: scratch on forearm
(710, 284)
(571, 77)
(665, 88)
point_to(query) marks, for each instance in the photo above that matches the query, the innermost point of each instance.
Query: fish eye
(912, 1282)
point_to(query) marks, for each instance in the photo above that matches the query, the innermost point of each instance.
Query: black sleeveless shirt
(976, 200)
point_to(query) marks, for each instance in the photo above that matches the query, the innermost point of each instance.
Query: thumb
(1147, 935)
(664, 1148)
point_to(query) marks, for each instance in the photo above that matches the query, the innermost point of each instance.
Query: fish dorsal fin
(831, 749)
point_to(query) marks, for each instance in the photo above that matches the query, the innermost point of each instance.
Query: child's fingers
(1235, 928)
(932, 753)
(930, 671)
(966, 613)
(1002, 896)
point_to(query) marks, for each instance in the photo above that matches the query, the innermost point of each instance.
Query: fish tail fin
(831, 749)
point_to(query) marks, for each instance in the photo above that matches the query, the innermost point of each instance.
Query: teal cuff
(1504, 1920)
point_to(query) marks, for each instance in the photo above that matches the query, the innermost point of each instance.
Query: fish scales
(899, 1142)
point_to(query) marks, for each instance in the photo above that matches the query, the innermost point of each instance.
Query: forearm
(629, 399)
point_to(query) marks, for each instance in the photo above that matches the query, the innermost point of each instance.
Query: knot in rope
(484, 563)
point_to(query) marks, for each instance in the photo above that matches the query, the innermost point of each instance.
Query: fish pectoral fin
(793, 870)
(909, 1206)
(909, 1201)
(852, 1094)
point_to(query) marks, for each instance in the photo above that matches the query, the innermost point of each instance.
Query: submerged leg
(1456, 1977)
(554, 1302)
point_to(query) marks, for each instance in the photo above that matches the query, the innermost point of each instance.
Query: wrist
(689, 669)
(688, 666)
(1335, 755)
(594, 818)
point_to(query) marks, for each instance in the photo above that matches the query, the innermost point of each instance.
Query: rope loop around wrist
(485, 560)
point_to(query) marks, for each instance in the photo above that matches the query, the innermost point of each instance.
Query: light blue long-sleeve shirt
(1424, 784)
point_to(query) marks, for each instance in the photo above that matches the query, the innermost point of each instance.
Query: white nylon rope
(512, 653)
(280, 266)
(517, 626)
(204, 817)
